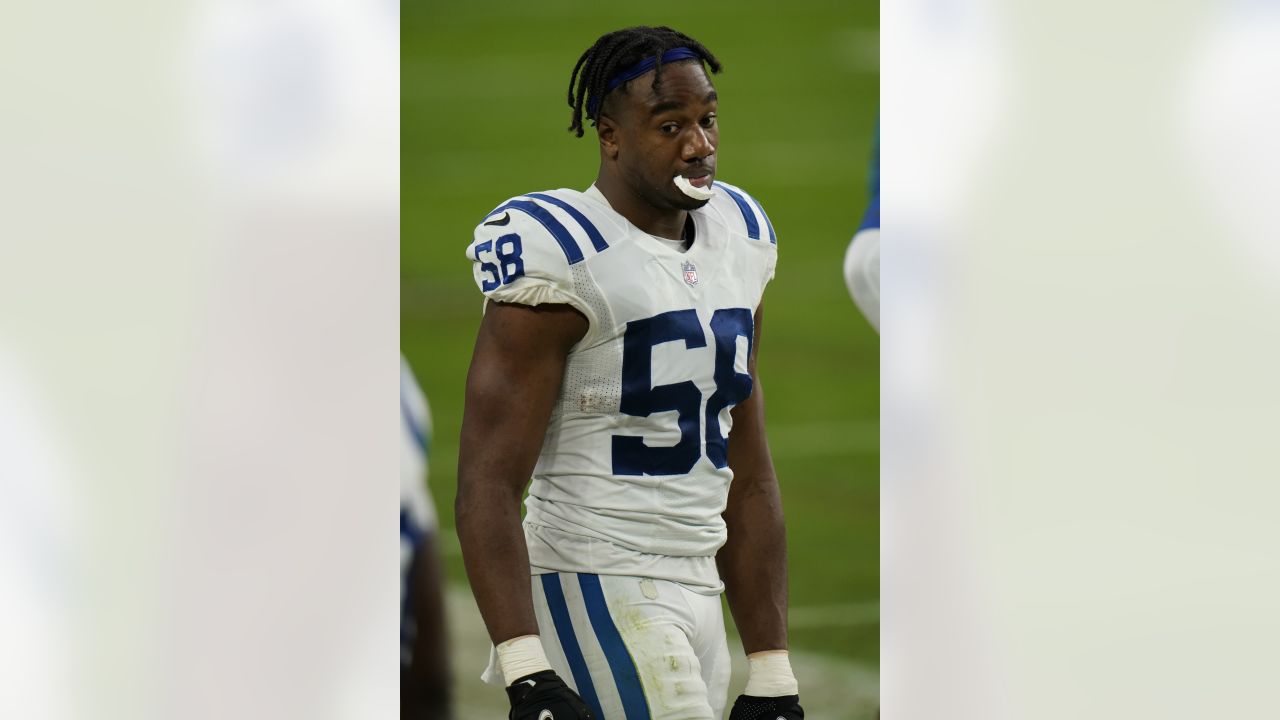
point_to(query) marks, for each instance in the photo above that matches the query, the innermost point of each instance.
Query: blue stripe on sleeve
(597, 240)
(570, 246)
(871, 220)
(753, 226)
(569, 641)
(620, 663)
(773, 238)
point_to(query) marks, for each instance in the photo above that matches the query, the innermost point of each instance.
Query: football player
(424, 672)
(616, 366)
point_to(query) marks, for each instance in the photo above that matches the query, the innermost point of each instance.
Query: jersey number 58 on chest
(640, 398)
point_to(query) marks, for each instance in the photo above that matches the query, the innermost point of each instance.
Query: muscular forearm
(493, 548)
(753, 562)
(753, 565)
(514, 380)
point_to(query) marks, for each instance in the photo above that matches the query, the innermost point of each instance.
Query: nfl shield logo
(690, 273)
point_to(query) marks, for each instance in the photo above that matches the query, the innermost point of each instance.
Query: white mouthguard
(692, 190)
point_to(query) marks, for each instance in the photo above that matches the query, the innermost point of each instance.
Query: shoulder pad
(524, 249)
(566, 219)
(744, 213)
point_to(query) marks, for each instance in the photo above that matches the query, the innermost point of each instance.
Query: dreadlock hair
(617, 51)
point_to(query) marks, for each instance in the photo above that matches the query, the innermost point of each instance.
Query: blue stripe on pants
(615, 651)
(569, 641)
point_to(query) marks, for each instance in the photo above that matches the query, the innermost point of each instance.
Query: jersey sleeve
(862, 273)
(515, 258)
(871, 218)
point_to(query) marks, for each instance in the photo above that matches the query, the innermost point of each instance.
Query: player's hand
(544, 695)
(749, 707)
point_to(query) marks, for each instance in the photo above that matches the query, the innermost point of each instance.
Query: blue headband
(640, 68)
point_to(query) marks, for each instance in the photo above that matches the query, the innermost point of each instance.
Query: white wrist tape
(521, 656)
(769, 674)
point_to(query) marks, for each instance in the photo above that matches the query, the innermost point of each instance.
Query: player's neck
(669, 224)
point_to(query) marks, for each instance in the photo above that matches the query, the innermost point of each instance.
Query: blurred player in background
(39, 570)
(294, 118)
(424, 669)
(615, 361)
(862, 260)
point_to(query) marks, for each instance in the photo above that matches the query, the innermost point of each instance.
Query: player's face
(669, 132)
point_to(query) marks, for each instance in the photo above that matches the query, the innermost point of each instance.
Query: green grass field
(484, 118)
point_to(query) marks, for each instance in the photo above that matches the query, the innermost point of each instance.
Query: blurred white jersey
(417, 512)
(633, 473)
(415, 440)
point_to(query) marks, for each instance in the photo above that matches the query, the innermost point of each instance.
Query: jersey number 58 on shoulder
(640, 398)
(509, 265)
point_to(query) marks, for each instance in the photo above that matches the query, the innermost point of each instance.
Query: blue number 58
(509, 265)
(640, 398)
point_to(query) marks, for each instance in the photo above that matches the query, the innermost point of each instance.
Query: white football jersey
(415, 439)
(417, 512)
(633, 474)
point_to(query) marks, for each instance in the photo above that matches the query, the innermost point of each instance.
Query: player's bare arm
(515, 375)
(753, 561)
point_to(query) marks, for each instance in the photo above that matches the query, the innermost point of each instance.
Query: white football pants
(633, 648)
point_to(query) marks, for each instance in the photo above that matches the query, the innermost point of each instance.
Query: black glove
(750, 707)
(532, 694)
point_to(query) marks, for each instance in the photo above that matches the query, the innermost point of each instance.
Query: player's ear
(607, 130)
